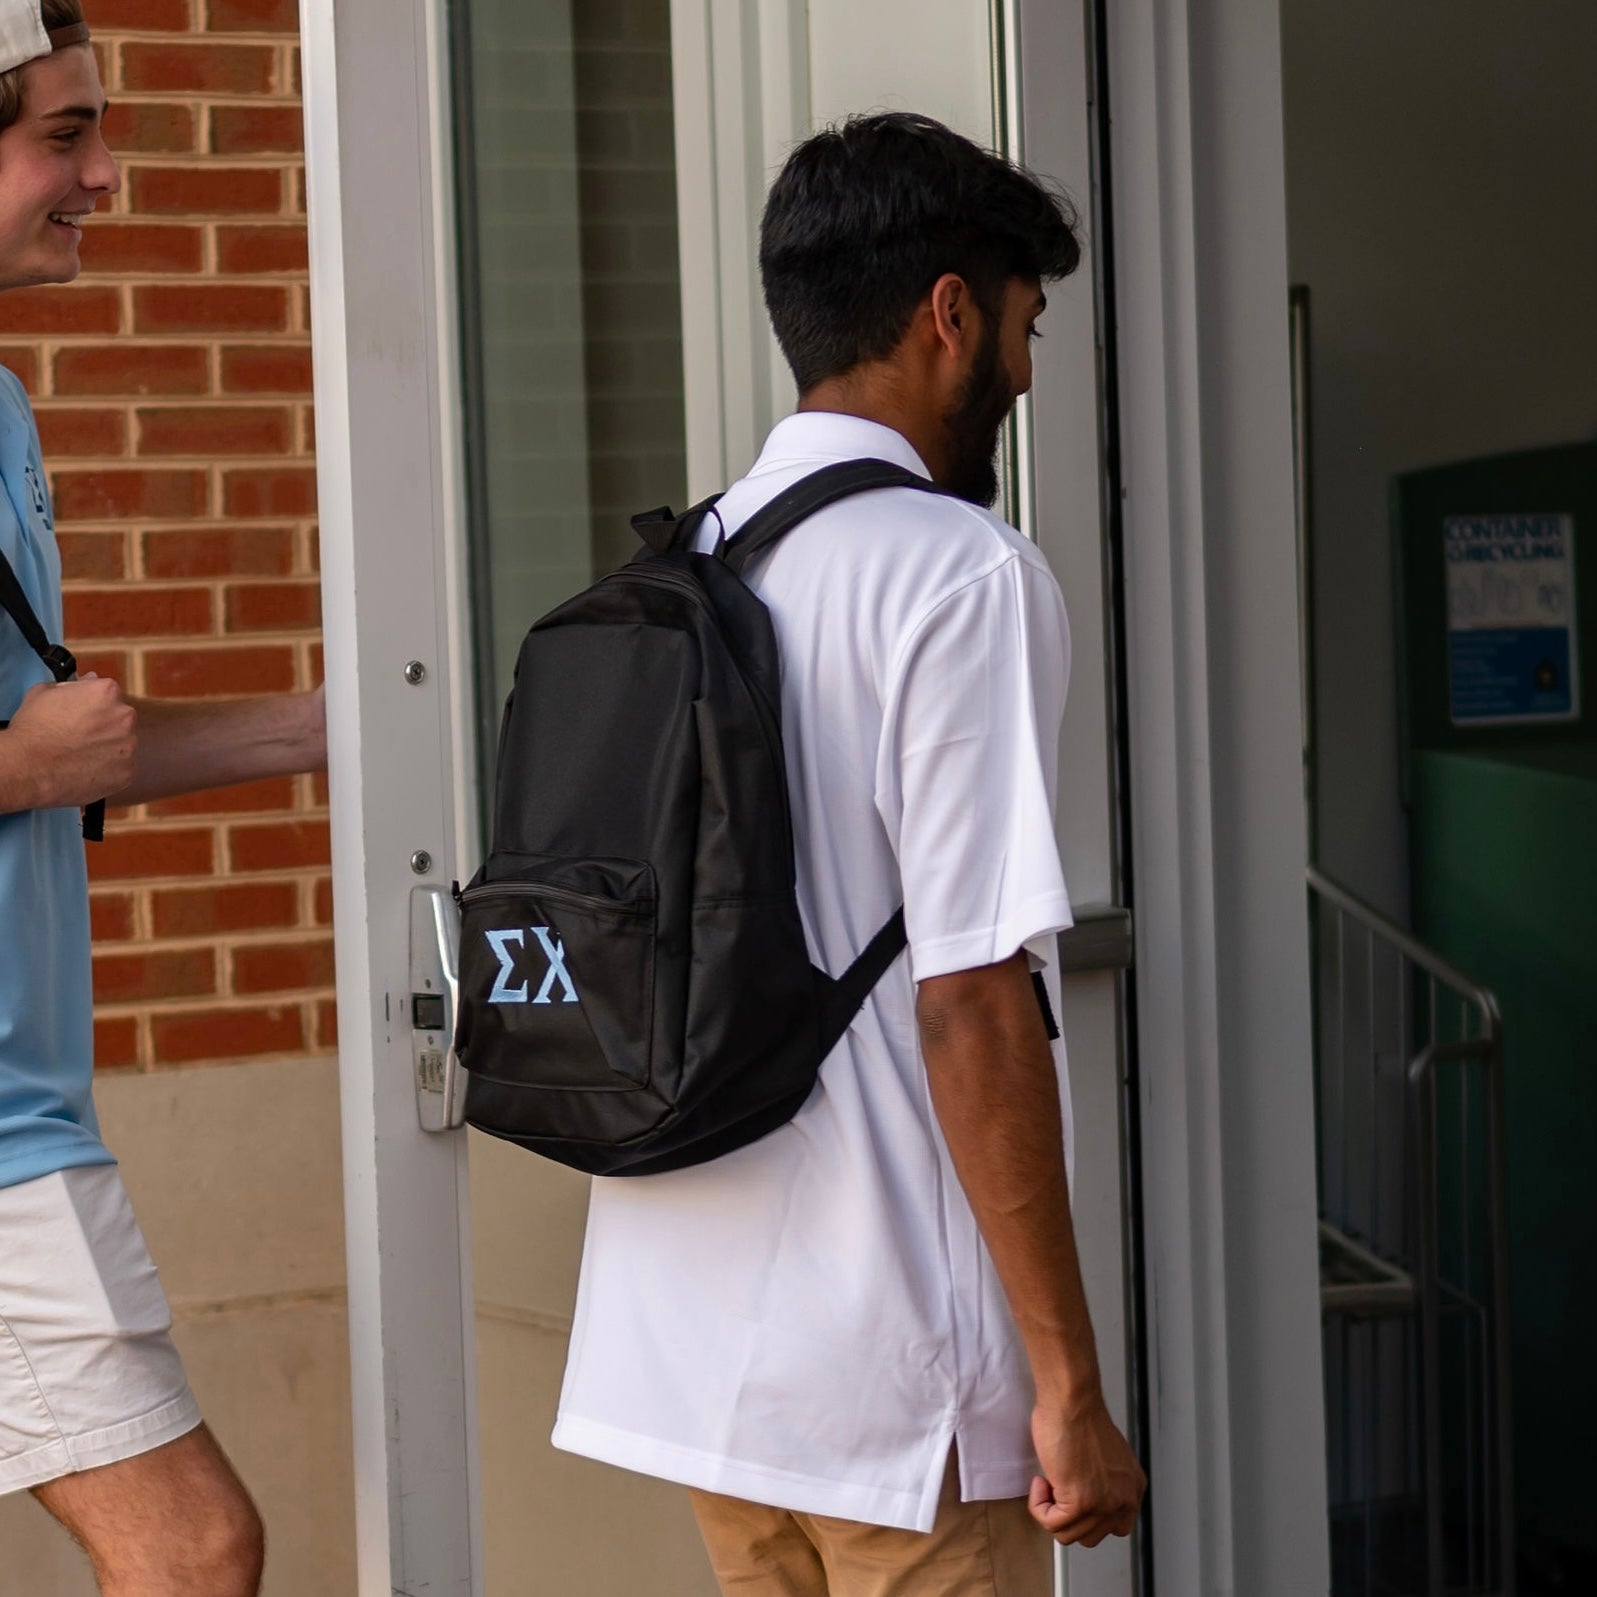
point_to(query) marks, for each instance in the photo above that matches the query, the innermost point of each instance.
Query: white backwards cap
(23, 36)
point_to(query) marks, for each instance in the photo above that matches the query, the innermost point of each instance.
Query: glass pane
(573, 335)
(572, 355)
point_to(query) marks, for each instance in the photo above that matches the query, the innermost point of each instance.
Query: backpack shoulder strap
(59, 659)
(815, 492)
(15, 602)
(845, 997)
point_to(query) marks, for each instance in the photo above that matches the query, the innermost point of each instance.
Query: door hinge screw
(415, 672)
(421, 862)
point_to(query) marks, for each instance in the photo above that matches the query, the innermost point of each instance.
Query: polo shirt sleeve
(967, 770)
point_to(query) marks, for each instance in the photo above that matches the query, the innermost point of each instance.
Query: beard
(974, 424)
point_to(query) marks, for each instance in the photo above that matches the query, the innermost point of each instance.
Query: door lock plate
(434, 991)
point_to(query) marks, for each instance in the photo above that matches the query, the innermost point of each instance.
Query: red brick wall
(172, 386)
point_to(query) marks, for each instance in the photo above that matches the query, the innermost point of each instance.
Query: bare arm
(71, 743)
(996, 1097)
(183, 748)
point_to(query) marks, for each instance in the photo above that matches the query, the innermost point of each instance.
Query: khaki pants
(972, 1550)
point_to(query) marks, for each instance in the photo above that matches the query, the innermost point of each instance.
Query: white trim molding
(388, 497)
(740, 85)
(1238, 1463)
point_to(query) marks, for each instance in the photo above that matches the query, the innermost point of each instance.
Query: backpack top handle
(664, 532)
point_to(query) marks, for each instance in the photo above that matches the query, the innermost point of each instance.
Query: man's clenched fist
(72, 742)
(1092, 1484)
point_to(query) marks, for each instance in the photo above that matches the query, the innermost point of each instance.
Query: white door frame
(1217, 832)
(740, 91)
(1199, 208)
(1041, 81)
(382, 296)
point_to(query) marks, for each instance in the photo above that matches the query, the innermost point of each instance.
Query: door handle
(1101, 939)
(434, 995)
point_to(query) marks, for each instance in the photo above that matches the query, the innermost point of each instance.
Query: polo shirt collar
(826, 435)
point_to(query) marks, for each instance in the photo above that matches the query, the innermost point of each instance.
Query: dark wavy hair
(865, 217)
(56, 14)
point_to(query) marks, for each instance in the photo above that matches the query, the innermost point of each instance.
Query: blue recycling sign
(1511, 619)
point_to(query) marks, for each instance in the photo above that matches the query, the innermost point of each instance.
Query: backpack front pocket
(557, 973)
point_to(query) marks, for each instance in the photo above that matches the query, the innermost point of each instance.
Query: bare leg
(173, 1522)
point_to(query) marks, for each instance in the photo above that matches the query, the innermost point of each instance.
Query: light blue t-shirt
(47, 1120)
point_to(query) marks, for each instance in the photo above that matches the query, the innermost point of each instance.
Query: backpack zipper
(559, 894)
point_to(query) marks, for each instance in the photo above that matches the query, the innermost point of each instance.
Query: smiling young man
(96, 1417)
(863, 1340)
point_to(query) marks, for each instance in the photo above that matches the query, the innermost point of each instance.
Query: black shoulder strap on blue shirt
(62, 666)
(59, 659)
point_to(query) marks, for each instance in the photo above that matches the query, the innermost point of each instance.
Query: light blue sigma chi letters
(553, 950)
(41, 500)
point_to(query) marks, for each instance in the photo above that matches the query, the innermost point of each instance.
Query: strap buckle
(60, 661)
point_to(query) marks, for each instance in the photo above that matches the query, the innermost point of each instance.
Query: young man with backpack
(860, 1338)
(96, 1417)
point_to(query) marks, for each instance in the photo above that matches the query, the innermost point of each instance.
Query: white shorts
(88, 1373)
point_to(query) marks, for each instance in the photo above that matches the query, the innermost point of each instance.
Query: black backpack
(635, 993)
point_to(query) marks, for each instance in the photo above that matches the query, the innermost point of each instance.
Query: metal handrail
(1421, 1075)
(1408, 946)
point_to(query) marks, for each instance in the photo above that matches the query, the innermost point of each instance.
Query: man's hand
(71, 743)
(1092, 1484)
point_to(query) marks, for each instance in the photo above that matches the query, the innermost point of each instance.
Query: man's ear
(952, 311)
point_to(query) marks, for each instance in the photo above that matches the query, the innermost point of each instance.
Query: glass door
(572, 399)
(570, 298)
(571, 347)
(512, 358)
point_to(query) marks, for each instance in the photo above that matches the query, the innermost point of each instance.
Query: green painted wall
(1505, 886)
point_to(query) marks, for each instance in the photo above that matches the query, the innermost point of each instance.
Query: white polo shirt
(810, 1321)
